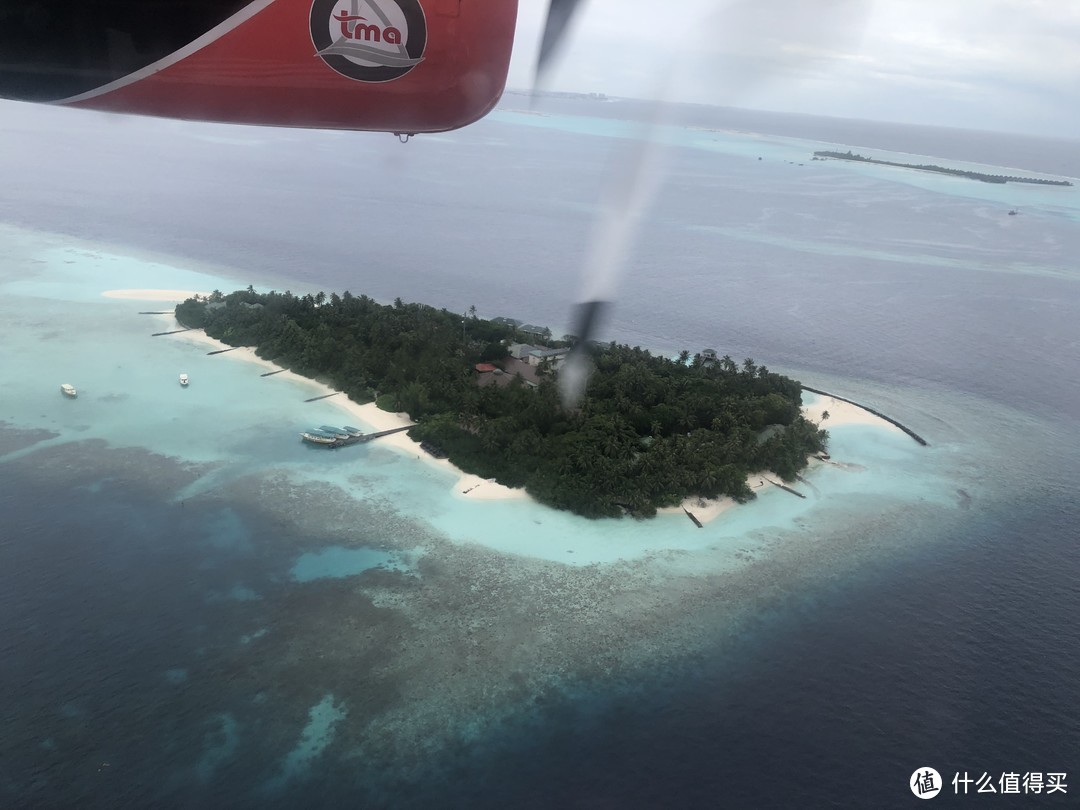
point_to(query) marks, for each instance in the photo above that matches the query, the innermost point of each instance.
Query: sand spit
(843, 413)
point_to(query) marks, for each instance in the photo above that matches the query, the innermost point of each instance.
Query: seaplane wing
(402, 66)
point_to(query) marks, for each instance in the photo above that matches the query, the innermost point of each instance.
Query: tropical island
(650, 431)
(986, 178)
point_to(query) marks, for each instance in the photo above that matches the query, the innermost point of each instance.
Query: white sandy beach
(840, 413)
(707, 510)
(843, 413)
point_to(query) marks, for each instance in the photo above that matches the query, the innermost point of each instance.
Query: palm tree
(708, 480)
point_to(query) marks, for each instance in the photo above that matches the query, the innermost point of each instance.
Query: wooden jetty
(802, 480)
(324, 396)
(888, 419)
(163, 312)
(173, 332)
(272, 373)
(367, 437)
(785, 488)
(222, 351)
(693, 517)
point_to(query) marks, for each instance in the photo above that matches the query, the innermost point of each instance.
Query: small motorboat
(184, 379)
(68, 390)
(318, 437)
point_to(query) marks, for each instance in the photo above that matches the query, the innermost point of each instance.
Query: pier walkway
(367, 437)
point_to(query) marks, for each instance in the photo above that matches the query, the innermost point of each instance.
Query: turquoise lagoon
(60, 328)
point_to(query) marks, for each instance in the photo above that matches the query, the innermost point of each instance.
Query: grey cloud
(970, 54)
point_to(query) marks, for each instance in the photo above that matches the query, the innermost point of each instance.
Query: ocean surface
(196, 610)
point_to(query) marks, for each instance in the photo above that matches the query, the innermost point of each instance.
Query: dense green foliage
(650, 431)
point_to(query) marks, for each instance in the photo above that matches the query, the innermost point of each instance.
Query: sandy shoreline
(473, 486)
(843, 413)
(467, 486)
(707, 510)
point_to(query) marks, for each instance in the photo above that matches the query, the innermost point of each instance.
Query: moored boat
(355, 432)
(184, 379)
(337, 433)
(68, 390)
(318, 438)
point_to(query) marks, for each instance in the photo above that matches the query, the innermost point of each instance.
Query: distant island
(650, 432)
(986, 178)
(534, 93)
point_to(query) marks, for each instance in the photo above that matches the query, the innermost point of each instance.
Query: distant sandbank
(176, 296)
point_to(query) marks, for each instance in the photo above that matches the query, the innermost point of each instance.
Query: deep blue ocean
(155, 652)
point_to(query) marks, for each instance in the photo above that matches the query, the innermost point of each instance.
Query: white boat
(184, 379)
(320, 438)
(68, 390)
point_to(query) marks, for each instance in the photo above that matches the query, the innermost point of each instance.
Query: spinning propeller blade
(744, 45)
(560, 12)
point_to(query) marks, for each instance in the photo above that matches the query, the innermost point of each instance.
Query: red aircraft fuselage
(403, 66)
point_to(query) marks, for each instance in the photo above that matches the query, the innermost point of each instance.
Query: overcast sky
(1011, 65)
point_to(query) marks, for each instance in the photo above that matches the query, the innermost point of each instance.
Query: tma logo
(369, 40)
